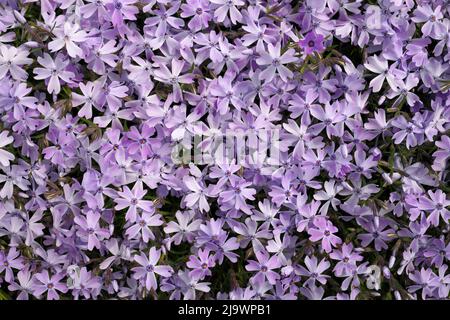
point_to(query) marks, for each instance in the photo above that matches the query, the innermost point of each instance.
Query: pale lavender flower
(53, 71)
(148, 268)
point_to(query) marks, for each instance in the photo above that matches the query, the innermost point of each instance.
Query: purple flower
(237, 195)
(436, 204)
(312, 43)
(198, 196)
(377, 233)
(64, 146)
(90, 230)
(201, 263)
(43, 282)
(10, 261)
(424, 280)
(142, 226)
(275, 62)
(324, 230)
(312, 135)
(53, 70)
(173, 77)
(184, 228)
(380, 66)
(433, 26)
(226, 6)
(265, 266)
(85, 284)
(121, 10)
(348, 257)
(314, 271)
(148, 268)
(132, 199)
(24, 286)
(199, 11)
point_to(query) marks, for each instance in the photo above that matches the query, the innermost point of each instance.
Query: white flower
(53, 70)
(379, 65)
(5, 156)
(11, 58)
(68, 36)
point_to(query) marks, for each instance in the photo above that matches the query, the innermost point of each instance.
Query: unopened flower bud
(391, 261)
(19, 17)
(31, 44)
(387, 178)
(395, 176)
(386, 272)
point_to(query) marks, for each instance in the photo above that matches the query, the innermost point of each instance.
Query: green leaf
(4, 295)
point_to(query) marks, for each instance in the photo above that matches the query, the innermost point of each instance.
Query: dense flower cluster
(95, 96)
